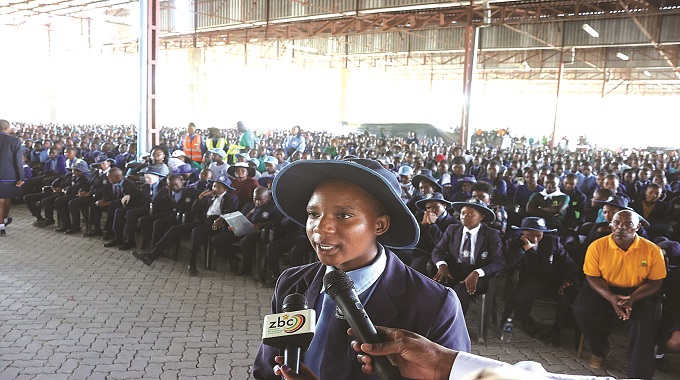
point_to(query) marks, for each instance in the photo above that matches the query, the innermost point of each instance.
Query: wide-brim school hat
(184, 169)
(616, 201)
(223, 180)
(532, 223)
(433, 197)
(295, 184)
(489, 215)
(81, 166)
(426, 174)
(265, 179)
(160, 170)
(100, 159)
(232, 169)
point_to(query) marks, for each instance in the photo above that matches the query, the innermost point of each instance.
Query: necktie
(467, 248)
(316, 348)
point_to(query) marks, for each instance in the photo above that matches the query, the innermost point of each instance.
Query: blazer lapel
(480, 244)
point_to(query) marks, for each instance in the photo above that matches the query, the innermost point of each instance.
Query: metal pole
(557, 99)
(469, 68)
(142, 144)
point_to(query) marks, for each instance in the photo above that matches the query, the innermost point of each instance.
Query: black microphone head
(294, 302)
(337, 281)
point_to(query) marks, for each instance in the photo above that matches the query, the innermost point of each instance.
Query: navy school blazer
(488, 249)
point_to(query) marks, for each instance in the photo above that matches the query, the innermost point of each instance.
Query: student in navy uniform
(189, 175)
(210, 205)
(262, 213)
(653, 210)
(34, 202)
(154, 195)
(494, 178)
(76, 182)
(545, 269)
(350, 208)
(119, 192)
(525, 191)
(469, 254)
(203, 179)
(87, 196)
(292, 238)
(11, 173)
(54, 167)
(425, 184)
(483, 192)
(462, 190)
(577, 204)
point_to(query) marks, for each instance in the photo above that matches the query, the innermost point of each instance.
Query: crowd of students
(481, 212)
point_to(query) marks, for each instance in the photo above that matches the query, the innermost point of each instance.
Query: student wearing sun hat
(545, 269)
(353, 213)
(469, 254)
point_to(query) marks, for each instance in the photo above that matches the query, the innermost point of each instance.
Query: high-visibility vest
(221, 143)
(192, 148)
(235, 149)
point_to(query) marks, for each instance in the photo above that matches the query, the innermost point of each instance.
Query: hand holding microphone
(340, 288)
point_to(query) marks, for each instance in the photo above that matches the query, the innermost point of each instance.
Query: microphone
(291, 331)
(340, 288)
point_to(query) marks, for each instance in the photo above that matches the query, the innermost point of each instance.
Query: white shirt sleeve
(469, 364)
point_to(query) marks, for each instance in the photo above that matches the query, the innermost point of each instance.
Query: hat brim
(295, 184)
(211, 181)
(415, 181)
(154, 173)
(232, 169)
(489, 215)
(421, 203)
(615, 205)
(262, 181)
(533, 229)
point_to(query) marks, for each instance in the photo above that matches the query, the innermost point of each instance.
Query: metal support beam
(469, 66)
(147, 133)
(557, 99)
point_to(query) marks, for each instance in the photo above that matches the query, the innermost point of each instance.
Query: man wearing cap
(210, 205)
(243, 182)
(550, 204)
(353, 212)
(469, 254)
(154, 199)
(192, 144)
(118, 192)
(624, 272)
(545, 269)
(218, 166)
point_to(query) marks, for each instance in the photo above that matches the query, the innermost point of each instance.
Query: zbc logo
(289, 323)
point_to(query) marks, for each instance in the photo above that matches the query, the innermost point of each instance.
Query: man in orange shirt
(624, 273)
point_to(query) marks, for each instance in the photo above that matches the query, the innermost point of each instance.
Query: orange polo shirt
(624, 269)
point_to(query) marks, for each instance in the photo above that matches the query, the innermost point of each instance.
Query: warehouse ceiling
(636, 40)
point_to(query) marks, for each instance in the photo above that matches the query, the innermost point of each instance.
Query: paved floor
(71, 309)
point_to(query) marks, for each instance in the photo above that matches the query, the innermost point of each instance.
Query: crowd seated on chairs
(538, 216)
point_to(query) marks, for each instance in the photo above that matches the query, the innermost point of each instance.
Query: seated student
(218, 166)
(493, 177)
(353, 212)
(110, 198)
(660, 179)
(407, 189)
(612, 182)
(128, 154)
(86, 196)
(482, 191)
(577, 204)
(210, 205)
(177, 204)
(269, 166)
(243, 182)
(425, 184)
(642, 182)
(624, 272)
(653, 210)
(587, 182)
(629, 178)
(54, 167)
(669, 329)
(262, 213)
(550, 204)
(509, 176)
(76, 182)
(545, 269)
(673, 217)
(434, 219)
(525, 191)
(154, 197)
(593, 214)
(463, 189)
(34, 201)
(469, 254)
(204, 179)
(291, 237)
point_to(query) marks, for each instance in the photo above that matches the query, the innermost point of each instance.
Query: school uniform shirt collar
(443, 215)
(473, 232)
(555, 193)
(365, 277)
